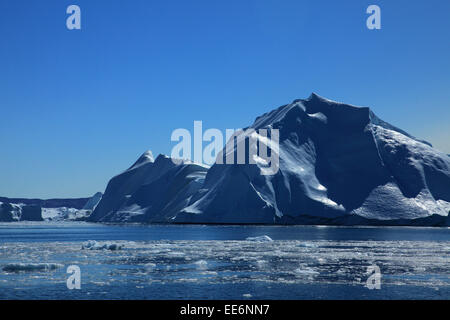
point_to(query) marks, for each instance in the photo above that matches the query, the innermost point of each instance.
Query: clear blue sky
(78, 107)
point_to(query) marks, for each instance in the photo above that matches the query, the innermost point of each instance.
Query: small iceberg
(307, 245)
(94, 245)
(201, 264)
(30, 267)
(260, 239)
(305, 271)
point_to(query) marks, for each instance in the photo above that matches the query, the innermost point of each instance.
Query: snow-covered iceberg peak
(146, 157)
(151, 190)
(343, 114)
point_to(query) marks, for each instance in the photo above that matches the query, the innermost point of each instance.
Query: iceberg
(151, 190)
(94, 245)
(10, 212)
(339, 164)
(260, 239)
(30, 267)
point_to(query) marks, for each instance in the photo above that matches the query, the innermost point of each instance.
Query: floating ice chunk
(30, 267)
(150, 266)
(261, 264)
(321, 260)
(307, 245)
(201, 264)
(306, 271)
(94, 245)
(176, 253)
(260, 239)
(91, 244)
(112, 246)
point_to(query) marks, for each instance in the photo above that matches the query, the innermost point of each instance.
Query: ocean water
(217, 262)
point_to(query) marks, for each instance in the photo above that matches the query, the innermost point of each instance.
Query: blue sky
(78, 107)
